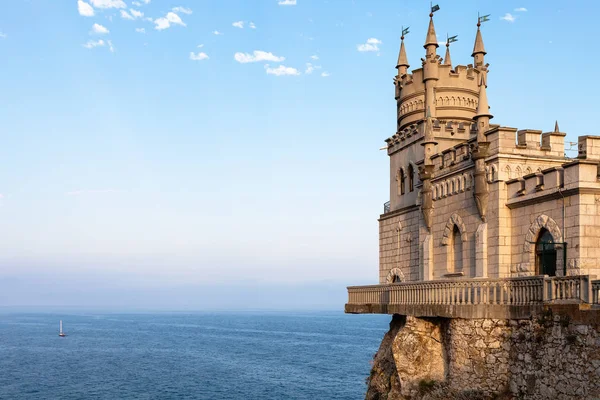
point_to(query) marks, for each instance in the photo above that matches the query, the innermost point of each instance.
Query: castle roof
(478, 47)
(431, 36)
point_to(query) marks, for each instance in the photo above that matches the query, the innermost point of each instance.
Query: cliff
(553, 355)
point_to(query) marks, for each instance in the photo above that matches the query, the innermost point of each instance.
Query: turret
(483, 116)
(478, 49)
(402, 65)
(447, 60)
(430, 67)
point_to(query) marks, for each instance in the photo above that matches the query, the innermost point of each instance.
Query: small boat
(61, 333)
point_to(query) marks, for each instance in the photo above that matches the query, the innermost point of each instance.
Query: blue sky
(129, 163)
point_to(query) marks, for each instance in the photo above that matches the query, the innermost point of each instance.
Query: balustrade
(503, 291)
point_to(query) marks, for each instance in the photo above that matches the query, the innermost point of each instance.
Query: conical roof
(483, 108)
(402, 60)
(431, 37)
(556, 127)
(447, 60)
(478, 47)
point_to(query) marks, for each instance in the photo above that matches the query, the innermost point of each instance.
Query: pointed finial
(478, 47)
(431, 38)
(556, 126)
(447, 60)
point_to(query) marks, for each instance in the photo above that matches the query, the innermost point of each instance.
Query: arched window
(400, 180)
(456, 261)
(411, 178)
(545, 254)
(396, 279)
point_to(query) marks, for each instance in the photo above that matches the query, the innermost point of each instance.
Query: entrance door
(545, 257)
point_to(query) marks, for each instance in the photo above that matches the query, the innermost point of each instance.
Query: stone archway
(454, 219)
(542, 222)
(395, 273)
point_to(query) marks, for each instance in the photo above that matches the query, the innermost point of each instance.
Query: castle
(473, 199)
(489, 247)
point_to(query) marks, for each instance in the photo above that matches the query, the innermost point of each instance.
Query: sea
(220, 355)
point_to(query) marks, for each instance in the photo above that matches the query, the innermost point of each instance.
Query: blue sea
(253, 355)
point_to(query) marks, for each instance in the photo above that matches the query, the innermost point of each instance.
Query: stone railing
(525, 291)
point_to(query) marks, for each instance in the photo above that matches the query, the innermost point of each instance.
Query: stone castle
(489, 246)
(472, 199)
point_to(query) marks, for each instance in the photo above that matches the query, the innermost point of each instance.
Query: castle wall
(399, 245)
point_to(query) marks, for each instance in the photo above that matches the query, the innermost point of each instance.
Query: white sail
(61, 332)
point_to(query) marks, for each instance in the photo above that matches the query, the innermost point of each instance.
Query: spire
(478, 47)
(483, 109)
(402, 60)
(447, 60)
(556, 127)
(431, 37)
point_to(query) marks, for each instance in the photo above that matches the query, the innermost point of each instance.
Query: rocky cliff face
(554, 355)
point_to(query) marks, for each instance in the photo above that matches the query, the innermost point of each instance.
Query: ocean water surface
(258, 355)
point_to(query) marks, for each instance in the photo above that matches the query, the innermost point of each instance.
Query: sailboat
(61, 333)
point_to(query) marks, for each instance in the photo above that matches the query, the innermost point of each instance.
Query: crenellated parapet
(526, 142)
(456, 95)
(440, 127)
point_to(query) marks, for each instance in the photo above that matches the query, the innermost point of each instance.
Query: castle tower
(482, 123)
(402, 65)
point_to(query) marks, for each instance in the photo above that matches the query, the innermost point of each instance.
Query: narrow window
(456, 261)
(400, 180)
(411, 178)
(545, 254)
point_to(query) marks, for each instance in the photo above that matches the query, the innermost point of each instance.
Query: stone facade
(554, 355)
(470, 199)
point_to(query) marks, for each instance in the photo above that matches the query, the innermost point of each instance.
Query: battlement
(572, 175)
(529, 142)
(456, 92)
(441, 127)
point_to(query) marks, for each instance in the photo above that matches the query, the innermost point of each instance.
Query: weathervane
(482, 19)
(404, 32)
(450, 39)
(433, 9)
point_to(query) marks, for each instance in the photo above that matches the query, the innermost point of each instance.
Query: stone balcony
(514, 298)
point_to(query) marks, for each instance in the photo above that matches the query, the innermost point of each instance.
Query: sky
(161, 153)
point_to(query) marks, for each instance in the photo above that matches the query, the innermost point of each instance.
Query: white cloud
(126, 15)
(251, 25)
(287, 2)
(99, 29)
(166, 21)
(325, 74)
(217, 33)
(136, 13)
(200, 46)
(94, 43)
(140, 30)
(521, 9)
(371, 45)
(256, 56)
(314, 57)
(136, 3)
(110, 46)
(108, 3)
(198, 57)
(509, 17)
(281, 70)
(182, 10)
(85, 9)
(3, 35)
(238, 24)
(309, 69)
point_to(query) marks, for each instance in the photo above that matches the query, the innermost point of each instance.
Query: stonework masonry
(553, 355)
